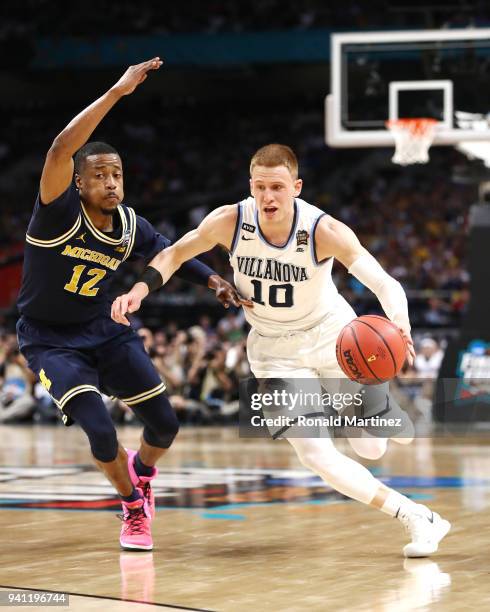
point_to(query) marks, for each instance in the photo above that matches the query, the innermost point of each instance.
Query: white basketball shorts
(300, 354)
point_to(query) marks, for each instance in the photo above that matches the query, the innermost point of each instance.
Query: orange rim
(415, 126)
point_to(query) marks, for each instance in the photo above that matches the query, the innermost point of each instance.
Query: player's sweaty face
(101, 182)
(274, 190)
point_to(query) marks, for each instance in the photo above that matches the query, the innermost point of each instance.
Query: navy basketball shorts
(100, 356)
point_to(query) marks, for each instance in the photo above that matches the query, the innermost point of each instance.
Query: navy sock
(140, 468)
(135, 495)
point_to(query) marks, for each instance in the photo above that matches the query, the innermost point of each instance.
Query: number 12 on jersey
(280, 296)
(88, 288)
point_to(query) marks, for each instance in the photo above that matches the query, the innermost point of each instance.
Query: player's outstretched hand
(226, 293)
(404, 327)
(128, 303)
(135, 75)
(410, 348)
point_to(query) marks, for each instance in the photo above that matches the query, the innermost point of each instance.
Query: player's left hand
(128, 303)
(404, 327)
(135, 75)
(226, 293)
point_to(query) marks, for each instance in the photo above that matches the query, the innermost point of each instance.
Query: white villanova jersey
(290, 288)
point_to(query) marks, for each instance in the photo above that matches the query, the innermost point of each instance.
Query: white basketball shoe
(426, 529)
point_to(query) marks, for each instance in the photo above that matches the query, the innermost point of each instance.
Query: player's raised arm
(335, 239)
(217, 228)
(58, 166)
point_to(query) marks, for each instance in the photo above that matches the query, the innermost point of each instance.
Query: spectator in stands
(426, 366)
(16, 400)
(219, 384)
(428, 359)
(231, 326)
(167, 362)
(437, 313)
(46, 409)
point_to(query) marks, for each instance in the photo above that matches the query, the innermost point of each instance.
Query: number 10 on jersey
(280, 296)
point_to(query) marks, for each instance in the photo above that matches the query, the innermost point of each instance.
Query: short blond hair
(273, 155)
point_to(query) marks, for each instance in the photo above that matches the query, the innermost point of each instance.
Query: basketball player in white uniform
(282, 249)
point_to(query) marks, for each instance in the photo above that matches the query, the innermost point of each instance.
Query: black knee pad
(89, 411)
(161, 423)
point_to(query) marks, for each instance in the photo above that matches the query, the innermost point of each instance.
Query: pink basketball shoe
(136, 527)
(142, 482)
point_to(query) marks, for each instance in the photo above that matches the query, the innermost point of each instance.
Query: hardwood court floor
(241, 526)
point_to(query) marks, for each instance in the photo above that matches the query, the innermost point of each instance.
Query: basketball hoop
(413, 138)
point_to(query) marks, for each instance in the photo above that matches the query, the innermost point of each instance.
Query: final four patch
(125, 241)
(302, 237)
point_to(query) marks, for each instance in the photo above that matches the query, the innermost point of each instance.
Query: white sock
(396, 503)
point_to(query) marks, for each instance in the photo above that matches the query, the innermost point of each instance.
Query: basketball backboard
(439, 74)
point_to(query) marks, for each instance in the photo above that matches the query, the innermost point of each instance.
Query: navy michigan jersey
(69, 263)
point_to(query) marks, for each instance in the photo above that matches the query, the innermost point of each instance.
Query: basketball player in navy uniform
(282, 250)
(80, 233)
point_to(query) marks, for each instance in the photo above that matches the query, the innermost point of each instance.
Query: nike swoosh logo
(243, 238)
(431, 519)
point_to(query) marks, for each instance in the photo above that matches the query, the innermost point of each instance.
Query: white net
(413, 138)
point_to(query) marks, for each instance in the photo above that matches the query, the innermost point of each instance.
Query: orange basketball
(371, 350)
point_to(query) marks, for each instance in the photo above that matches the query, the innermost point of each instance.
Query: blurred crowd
(414, 220)
(183, 157)
(201, 365)
(415, 225)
